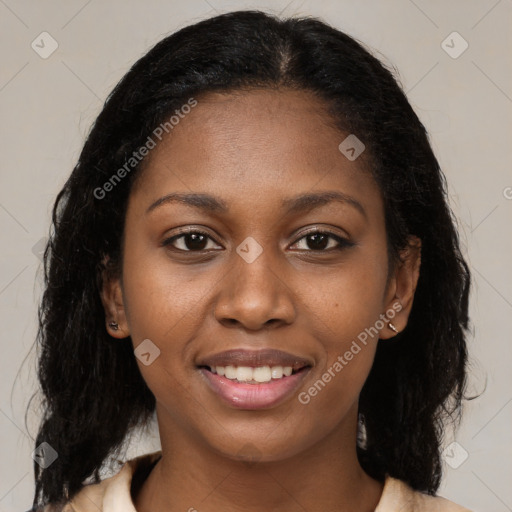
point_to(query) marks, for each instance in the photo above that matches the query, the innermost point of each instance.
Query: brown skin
(252, 150)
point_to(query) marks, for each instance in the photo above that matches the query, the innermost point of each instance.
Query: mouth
(256, 375)
(254, 379)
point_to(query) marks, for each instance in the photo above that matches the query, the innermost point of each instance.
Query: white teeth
(277, 372)
(230, 372)
(262, 374)
(247, 374)
(244, 373)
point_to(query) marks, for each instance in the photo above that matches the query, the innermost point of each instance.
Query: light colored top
(113, 494)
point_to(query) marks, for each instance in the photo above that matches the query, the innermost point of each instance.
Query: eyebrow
(308, 202)
(297, 204)
(203, 202)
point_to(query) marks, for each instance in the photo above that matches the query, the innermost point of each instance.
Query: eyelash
(343, 243)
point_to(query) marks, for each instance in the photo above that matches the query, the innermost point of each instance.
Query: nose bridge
(254, 293)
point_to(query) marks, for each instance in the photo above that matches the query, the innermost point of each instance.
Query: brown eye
(191, 241)
(317, 241)
(323, 241)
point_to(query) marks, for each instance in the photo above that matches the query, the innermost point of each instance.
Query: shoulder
(397, 495)
(112, 494)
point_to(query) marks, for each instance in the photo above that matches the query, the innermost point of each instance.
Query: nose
(254, 296)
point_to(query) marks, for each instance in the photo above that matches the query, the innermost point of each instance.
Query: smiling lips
(254, 379)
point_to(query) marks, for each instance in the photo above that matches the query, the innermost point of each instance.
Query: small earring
(392, 327)
(113, 325)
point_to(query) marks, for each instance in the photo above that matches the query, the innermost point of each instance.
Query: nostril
(230, 321)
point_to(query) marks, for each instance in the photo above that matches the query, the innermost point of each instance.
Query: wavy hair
(93, 392)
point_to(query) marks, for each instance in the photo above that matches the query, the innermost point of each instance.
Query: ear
(401, 289)
(112, 299)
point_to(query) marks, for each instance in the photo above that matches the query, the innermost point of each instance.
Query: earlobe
(391, 325)
(405, 281)
(113, 304)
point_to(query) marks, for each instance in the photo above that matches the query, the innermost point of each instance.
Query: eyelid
(185, 231)
(322, 229)
(342, 240)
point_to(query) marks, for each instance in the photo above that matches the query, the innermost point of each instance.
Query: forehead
(258, 143)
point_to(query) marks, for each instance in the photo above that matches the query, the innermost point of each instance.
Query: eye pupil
(195, 241)
(319, 241)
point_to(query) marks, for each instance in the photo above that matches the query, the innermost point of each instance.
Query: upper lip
(254, 358)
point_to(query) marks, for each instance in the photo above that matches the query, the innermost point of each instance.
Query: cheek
(348, 300)
(160, 300)
(162, 306)
(348, 327)
(347, 309)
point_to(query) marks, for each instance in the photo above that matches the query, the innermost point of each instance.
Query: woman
(256, 245)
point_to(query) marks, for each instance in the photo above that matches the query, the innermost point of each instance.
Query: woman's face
(258, 173)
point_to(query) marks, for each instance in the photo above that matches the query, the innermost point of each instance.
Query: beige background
(48, 105)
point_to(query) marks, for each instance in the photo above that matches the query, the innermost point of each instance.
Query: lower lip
(254, 396)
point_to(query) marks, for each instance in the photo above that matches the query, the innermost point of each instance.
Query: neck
(190, 476)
